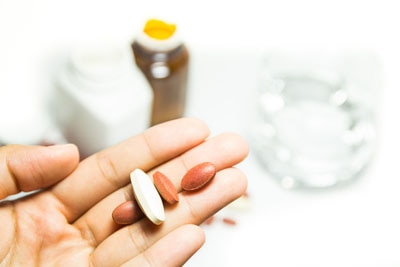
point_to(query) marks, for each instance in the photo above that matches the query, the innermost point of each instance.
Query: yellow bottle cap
(159, 29)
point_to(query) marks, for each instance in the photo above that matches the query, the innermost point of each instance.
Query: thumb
(26, 168)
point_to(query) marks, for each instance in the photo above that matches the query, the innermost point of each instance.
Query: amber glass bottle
(164, 60)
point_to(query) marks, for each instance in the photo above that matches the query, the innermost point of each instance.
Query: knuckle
(107, 169)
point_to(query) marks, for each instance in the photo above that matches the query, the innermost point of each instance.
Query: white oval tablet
(147, 196)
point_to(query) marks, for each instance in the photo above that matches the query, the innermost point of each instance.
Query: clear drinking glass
(316, 124)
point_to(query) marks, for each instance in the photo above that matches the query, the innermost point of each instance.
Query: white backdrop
(354, 226)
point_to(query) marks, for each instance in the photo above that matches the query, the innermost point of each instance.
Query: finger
(224, 151)
(99, 175)
(193, 208)
(26, 168)
(172, 250)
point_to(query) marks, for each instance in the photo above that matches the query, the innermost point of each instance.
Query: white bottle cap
(99, 65)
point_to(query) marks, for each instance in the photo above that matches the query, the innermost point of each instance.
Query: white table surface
(358, 225)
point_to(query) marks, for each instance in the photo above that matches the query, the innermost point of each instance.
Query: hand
(68, 221)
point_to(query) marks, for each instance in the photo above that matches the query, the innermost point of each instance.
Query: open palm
(68, 221)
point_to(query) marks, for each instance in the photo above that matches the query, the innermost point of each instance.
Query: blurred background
(354, 225)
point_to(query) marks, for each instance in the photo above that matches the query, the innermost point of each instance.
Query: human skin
(69, 221)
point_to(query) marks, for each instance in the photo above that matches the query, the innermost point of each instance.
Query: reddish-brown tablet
(198, 176)
(228, 221)
(127, 213)
(165, 188)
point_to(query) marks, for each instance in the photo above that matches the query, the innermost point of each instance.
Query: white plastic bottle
(101, 98)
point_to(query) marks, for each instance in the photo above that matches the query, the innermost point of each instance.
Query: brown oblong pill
(198, 176)
(229, 221)
(127, 213)
(165, 188)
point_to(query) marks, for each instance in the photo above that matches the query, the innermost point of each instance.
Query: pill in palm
(147, 196)
(165, 187)
(127, 213)
(198, 176)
